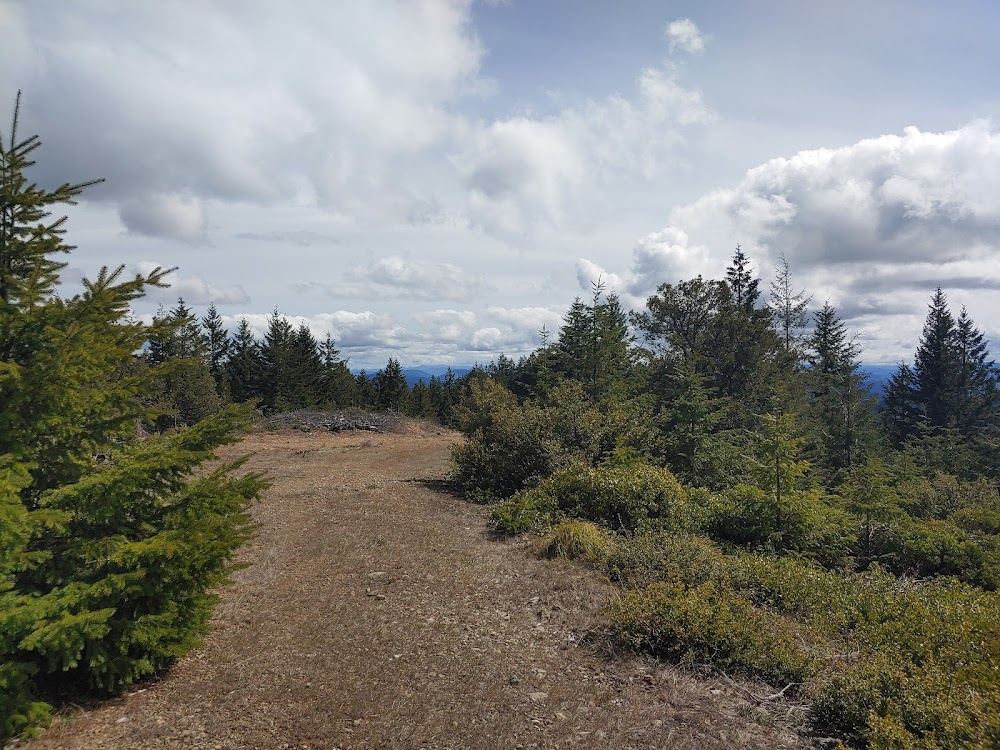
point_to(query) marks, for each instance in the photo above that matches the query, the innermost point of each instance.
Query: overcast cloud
(437, 180)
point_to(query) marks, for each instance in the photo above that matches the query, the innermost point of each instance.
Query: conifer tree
(935, 365)
(244, 368)
(105, 568)
(976, 396)
(789, 309)
(337, 386)
(178, 350)
(391, 388)
(840, 406)
(217, 341)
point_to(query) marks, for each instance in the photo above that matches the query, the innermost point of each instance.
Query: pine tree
(105, 568)
(244, 368)
(218, 348)
(840, 406)
(976, 397)
(338, 388)
(179, 354)
(900, 406)
(789, 309)
(742, 284)
(278, 364)
(391, 388)
(935, 365)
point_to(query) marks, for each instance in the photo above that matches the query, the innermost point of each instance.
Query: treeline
(201, 367)
(724, 460)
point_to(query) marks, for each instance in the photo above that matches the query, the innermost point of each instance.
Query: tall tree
(337, 386)
(105, 568)
(841, 408)
(178, 350)
(244, 367)
(217, 341)
(391, 388)
(976, 397)
(935, 365)
(789, 309)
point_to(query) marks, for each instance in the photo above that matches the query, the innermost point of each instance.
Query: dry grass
(377, 612)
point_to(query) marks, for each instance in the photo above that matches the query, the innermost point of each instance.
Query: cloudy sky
(435, 180)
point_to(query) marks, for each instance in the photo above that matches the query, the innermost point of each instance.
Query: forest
(717, 456)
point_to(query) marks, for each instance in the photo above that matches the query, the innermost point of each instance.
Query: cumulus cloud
(242, 102)
(874, 227)
(173, 216)
(194, 289)
(522, 171)
(397, 277)
(684, 34)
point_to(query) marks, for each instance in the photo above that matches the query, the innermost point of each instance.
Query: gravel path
(376, 612)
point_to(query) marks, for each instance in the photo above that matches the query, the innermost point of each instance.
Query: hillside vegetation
(760, 513)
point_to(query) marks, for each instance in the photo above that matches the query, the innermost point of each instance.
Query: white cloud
(396, 277)
(524, 171)
(685, 34)
(194, 289)
(874, 227)
(173, 216)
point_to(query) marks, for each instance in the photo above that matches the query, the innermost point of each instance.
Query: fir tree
(105, 569)
(217, 341)
(935, 366)
(178, 351)
(789, 309)
(338, 388)
(841, 408)
(391, 388)
(245, 365)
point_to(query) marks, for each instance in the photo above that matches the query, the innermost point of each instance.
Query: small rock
(537, 697)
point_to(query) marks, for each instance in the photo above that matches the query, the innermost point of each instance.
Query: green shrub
(654, 555)
(575, 540)
(801, 522)
(619, 497)
(527, 510)
(710, 623)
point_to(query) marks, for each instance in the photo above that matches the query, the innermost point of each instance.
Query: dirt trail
(376, 612)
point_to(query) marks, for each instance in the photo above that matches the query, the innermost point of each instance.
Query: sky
(437, 180)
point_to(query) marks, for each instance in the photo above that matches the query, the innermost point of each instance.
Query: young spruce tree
(106, 564)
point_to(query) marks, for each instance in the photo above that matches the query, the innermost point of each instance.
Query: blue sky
(437, 180)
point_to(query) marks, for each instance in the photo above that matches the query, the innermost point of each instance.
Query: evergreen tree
(218, 348)
(936, 366)
(366, 390)
(976, 396)
(244, 368)
(742, 285)
(841, 408)
(278, 365)
(391, 388)
(789, 309)
(306, 376)
(105, 569)
(178, 351)
(338, 388)
(900, 407)
(595, 347)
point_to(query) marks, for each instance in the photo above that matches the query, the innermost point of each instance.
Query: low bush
(800, 522)
(526, 511)
(653, 555)
(576, 540)
(711, 623)
(619, 497)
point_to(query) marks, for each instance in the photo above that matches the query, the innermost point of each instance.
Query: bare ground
(377, 612)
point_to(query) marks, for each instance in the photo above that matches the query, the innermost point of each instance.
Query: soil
(376, 611)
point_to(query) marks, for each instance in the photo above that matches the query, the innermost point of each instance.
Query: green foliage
(105, 567)
(652, 555)
(800, 522)
(618, 497)
(711, 623)
(511, 446)
(526, 511)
